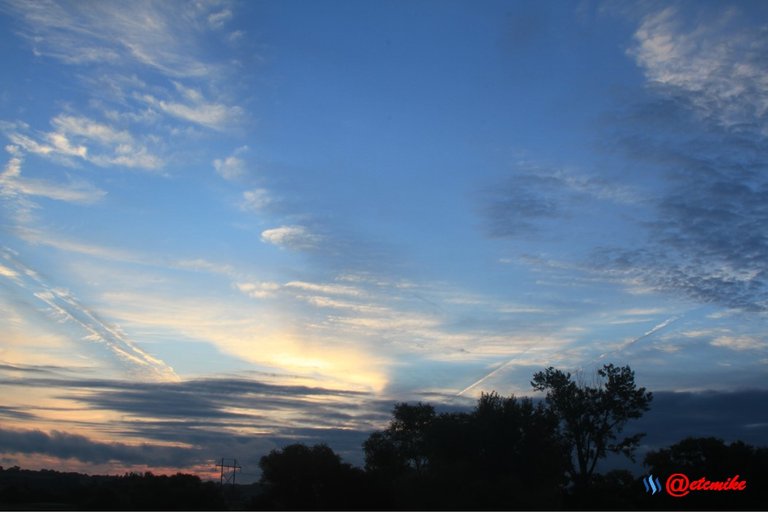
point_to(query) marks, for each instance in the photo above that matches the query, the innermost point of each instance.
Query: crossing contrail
(69, 310)
(632, 342)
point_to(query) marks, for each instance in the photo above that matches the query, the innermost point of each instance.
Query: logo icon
(652, 484)
(677, 485)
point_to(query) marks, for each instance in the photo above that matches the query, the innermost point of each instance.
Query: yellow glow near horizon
(333, 364)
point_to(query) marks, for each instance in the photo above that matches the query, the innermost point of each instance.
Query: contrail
(69, 309)
(645, 335)
(494, 371)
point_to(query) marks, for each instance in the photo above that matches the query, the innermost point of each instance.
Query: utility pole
(228, 472)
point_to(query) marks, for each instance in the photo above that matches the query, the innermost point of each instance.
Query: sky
(229, 226)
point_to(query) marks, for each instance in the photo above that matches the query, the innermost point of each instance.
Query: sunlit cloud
(196, 109)
(89, 141)
(259, 290)
(739, 343)
(326, 288)
(291, 237)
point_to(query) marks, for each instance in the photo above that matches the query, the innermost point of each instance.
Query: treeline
(514, 454)
(52, 490)
(491, 466)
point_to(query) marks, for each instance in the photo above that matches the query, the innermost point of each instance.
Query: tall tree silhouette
(592, 418)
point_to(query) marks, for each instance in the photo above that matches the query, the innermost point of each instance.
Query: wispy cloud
(739, 343)
(17, 191)
(259, 290)
(160, 36)
(84, 139)
(256, 200)
(194, 108)
(65, 445)
(699, 133)
(191, 422)
(716, 62)
(233, 166)
(118, 147)
(295, 237)
(533, 195)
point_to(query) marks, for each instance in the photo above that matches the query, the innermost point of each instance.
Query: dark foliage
(310, 478)
(505, 454)
(592, 418)
(51, 490)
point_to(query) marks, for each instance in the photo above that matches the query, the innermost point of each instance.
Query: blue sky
(249, 223)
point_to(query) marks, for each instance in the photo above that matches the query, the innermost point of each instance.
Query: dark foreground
(48, 490)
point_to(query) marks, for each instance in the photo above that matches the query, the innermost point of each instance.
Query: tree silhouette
(504, 454)
(593, 417)
(402, 445)
(310, 478)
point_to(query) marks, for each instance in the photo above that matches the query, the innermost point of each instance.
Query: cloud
(91, 130)
(256, 199)
(66, 445)
(57, 144)
(259, 290)
(525, 199)
(293, 237)
(194, 108)
(88, 140)
(326, 288)
(121, 147)
(699, 132)
(12, 184)
(200, 264)
(532, 195)
(716, 60)
(219, 18)
(230, 168)
(194, 421)
(165, 37)
(739, 343)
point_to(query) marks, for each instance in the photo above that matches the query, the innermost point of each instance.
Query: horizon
(229, 226)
